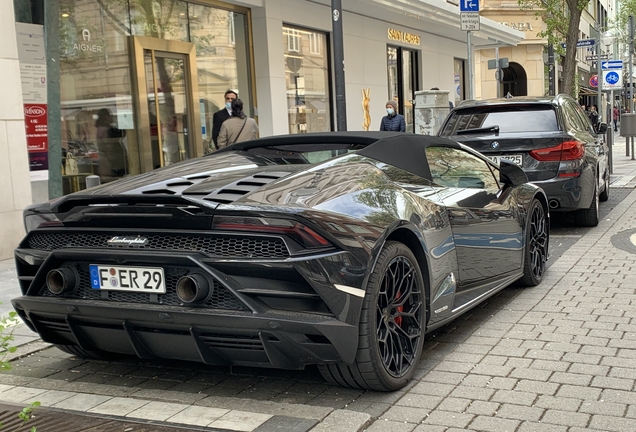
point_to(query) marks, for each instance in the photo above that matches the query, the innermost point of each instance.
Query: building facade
(140, 80)
(15, 188)
(528, 71)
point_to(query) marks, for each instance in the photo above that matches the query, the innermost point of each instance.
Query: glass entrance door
(168, 99)
(403, 81)
(166, 91)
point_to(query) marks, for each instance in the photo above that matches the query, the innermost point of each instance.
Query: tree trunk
(569, 65)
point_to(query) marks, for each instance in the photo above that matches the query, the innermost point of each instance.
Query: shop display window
(307, 79)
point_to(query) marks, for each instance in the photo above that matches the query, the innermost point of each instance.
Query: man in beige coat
(238, 127)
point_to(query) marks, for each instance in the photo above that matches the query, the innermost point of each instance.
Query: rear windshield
(509, 118)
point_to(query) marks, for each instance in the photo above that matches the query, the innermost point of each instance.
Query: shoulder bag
(70, 165)
(239, 134)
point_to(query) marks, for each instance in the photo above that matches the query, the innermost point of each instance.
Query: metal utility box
(431, 109)
(628, 124)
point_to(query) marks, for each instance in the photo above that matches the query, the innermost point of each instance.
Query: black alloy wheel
(397, 317)
(391, 325)
(589, 217)
(537, 239)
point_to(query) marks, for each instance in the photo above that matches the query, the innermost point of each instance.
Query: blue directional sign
(612, 64)
(469, 5)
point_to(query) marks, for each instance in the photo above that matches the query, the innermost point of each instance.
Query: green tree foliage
(561, 18)
(7, 325)
(627, 8)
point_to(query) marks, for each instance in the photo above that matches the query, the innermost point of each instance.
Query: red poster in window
(35, 120)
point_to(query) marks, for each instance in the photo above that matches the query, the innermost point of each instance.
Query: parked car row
(550, 138)
(337, 249)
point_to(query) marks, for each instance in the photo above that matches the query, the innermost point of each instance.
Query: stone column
(15, 182)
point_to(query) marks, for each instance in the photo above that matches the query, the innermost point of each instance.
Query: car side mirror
(511, 174)
(602, 128)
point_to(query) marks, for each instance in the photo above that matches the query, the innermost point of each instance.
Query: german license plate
(148, 280)
(516, 159)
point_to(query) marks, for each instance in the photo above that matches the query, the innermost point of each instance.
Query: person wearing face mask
(392, 121)
(238, 128)
(221, 115)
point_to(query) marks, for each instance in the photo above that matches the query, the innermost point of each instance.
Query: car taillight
(41, 220)
(567, 150)
(296, 230)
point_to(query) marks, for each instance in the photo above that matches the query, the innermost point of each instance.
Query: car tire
(589, 217)
(390, 336)
(604, 196)
(536, 249)
(80, 352)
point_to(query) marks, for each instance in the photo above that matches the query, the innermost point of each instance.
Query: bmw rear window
(509, 118)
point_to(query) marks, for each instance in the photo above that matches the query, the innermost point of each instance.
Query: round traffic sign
(594, 81)
(612, 77)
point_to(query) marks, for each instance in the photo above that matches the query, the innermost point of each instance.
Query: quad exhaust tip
(61, 280)
(193, 288)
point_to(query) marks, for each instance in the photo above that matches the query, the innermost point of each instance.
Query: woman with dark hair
(239, 127)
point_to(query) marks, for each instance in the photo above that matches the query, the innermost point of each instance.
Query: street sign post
(594, 81)
(469, 6)
(503, 63)
(612, 74)
(612, 64)
(612, 79)
(469, 21)
(582, 43)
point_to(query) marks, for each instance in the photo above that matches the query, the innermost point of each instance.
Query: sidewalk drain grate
(51, 420)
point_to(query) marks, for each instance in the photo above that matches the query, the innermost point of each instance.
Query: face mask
(389, 111)
(228, 105)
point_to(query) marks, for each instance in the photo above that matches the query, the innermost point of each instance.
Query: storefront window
(102, 124)
(96, 103)
(220, 37)
(458, 93)
(307, 79)
(167, 19)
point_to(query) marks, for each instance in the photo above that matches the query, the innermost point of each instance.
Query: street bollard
(92, 181)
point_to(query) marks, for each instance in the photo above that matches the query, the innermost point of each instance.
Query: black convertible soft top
(349, 137)
(406, 151)
(402, 150)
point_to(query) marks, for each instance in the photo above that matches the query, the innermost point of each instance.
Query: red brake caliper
(400, 309)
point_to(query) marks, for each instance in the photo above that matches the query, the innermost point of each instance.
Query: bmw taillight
(567, 150)
(263, 225)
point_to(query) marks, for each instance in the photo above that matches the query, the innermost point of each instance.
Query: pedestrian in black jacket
(392, 121)
(223, 114)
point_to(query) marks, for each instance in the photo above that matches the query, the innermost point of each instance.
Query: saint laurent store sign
(401, 36)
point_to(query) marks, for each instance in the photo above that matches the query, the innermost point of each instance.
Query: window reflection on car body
(494, 129)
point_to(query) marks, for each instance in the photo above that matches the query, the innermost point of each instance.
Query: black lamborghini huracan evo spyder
(335, 249)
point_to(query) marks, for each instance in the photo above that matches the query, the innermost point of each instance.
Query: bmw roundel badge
(494, 145)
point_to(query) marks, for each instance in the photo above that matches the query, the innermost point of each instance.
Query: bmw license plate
(148, 280)
(516, 159)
